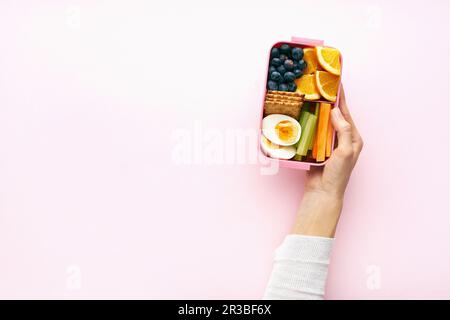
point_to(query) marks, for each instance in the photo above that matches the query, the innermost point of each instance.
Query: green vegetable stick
(307, 134)
(303, 117)
(316, 113)
(310, 142)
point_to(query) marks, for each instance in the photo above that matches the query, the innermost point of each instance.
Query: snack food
(312, 63)
(281, 129)
(306, 85)
(329, 59)
(281, 102)
(286, 65)
(301, 76)
(327, 84)
(322, 128)
(276, 151)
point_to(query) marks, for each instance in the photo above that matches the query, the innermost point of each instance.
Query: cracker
(291, 109)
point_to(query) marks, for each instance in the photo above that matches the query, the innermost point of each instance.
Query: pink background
(91, 92)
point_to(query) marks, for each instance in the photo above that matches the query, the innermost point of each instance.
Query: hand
(325, 186)
(332, 178)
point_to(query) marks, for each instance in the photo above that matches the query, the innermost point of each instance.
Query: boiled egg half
(277, 151)
(281, 129)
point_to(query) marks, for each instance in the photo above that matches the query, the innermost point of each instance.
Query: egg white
(277, 151)
(269, 128)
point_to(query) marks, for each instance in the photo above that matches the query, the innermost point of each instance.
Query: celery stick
(316, 113)
(316, 110)
(303, 118)
(310, 142)
(298, 157)
(307, 134)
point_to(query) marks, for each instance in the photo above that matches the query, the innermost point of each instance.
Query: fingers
(343, 106)
(357, 140)
(344, 132)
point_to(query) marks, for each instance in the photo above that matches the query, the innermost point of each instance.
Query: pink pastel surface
(91, 92)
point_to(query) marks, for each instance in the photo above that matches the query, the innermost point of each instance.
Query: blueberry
(272, 85)
(302, 65)
(276, 62)
(281, 69)
(289, 76)
(297, 54)
(285, 49)
(275, 53)
(272, 69)
(283, 58)
(289, 65)
(276, 76)
(283, 87)
(298, 73)
(292, 87)
(295, 62)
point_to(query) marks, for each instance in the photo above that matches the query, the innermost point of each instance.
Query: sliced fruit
(327, 85)
(307, 85)
(312, 63)
(329, 59)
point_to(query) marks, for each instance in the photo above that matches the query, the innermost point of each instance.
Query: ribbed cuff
(300, 268)
(305, 248)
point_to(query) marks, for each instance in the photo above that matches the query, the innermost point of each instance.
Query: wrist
(325, 197)
(318, 214)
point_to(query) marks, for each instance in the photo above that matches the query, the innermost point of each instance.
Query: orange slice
(306, 85)
(312, 63)
(329, 59)
(327, 84)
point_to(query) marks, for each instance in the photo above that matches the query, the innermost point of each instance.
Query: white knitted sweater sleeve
(300, 268)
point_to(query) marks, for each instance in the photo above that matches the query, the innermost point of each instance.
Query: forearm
(318, 215)
(301, 262)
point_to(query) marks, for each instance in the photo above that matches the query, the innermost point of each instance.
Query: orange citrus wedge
(329, 59)
(327, 84)
(312, 63)
(306, 85)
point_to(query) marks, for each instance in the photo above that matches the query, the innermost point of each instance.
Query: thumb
(343, 129)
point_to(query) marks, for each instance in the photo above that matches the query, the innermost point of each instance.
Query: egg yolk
(286, 131)
(270, 144)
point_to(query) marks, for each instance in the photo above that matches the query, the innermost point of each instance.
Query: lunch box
(295, 164)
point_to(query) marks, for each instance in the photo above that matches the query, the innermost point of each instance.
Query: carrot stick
(330, 133)
(321, 139)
